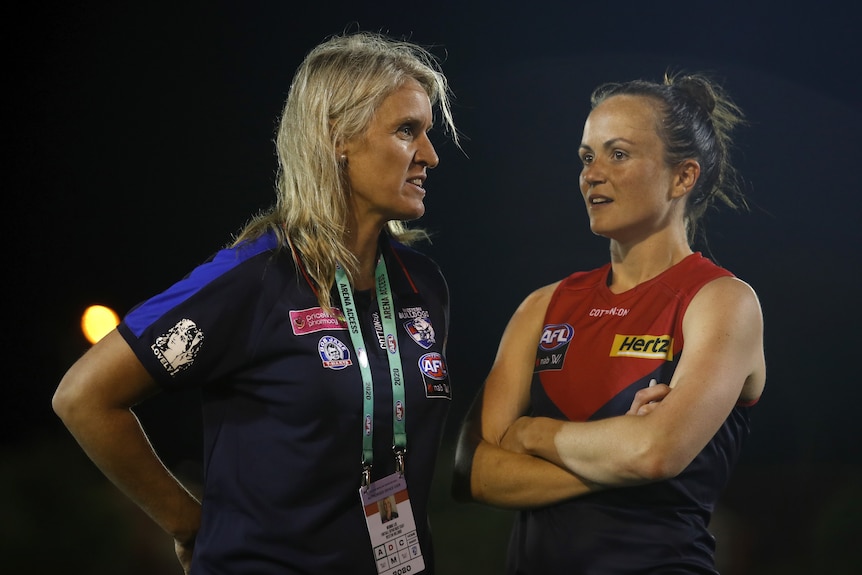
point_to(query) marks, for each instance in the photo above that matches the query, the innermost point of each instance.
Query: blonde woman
(317, 398)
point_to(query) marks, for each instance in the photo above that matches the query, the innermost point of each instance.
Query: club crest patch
(435, 376)
(421, 331)
(333, 353)
(177, 348)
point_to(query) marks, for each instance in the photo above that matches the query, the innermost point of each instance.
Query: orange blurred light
(97, 321)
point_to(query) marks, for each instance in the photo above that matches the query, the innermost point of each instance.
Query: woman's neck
(363, 244)
(635, 264)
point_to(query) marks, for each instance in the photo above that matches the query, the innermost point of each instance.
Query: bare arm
(722, 363)
(94, 400)
(485, 471)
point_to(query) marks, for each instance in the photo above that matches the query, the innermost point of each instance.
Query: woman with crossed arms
(609, 471)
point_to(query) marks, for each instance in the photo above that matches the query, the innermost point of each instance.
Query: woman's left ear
(341, 153)
(686, 177)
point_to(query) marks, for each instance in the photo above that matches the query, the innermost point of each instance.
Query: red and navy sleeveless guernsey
(282, 404)
(597, 349)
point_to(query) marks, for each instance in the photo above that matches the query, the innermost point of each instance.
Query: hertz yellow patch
(643, 346)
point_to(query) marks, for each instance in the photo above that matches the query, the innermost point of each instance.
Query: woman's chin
(414, 213)
(599, 230)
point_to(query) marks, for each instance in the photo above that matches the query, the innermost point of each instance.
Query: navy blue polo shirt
(282, 403)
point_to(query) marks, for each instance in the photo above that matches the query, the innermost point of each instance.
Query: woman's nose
(592, 173)
(426, 154)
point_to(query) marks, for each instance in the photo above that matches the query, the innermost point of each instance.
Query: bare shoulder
(725, 305)
(537, 301)
(525, 325)
(729, 291)
(726, 319)
(517, 347)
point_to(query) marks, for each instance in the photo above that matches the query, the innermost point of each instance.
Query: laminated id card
(391, 526)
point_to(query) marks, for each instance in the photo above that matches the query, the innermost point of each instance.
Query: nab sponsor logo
(432, 365)
(555, 336)
(643, 346)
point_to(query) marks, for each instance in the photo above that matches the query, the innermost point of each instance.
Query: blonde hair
(333, 97)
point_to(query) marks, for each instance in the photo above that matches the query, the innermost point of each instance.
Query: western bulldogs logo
(421, 330)
(435, 375)
(333, 353)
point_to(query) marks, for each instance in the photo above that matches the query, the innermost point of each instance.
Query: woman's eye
(586, 159)
(619, 154)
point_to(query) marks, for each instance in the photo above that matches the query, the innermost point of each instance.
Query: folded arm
(484, 470)
(722, 363)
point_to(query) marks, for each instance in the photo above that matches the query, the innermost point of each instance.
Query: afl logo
(399, 410)
(367, 424)
(391, 343)
(432, 365)
(556, 335)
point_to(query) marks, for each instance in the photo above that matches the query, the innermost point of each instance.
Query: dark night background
(139, 138)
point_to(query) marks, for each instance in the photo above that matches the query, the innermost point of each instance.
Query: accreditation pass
(391, 526)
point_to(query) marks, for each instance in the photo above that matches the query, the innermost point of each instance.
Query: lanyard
(384, 294)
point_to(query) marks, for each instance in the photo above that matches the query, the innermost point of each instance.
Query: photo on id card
(391, 526)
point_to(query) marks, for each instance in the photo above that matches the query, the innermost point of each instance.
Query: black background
(139, 138)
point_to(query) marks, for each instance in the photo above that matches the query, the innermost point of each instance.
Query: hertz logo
(643, 346)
